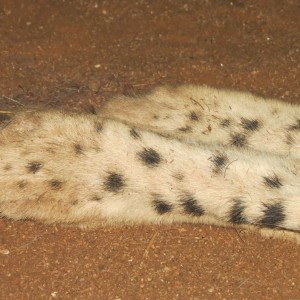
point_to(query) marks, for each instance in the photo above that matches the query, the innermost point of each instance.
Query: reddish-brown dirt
(72, 54)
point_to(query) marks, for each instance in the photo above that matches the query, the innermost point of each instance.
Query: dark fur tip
(78, 148)
(238, 140)
(96, 198)
(250, 124)
(193, 116)
(225, 123)
(178, 176)
(272, 182)
(55, 184)
(22, 184)
(98, 126)
(185, 129)
(134, 134)
(289, 139)
(7, 167)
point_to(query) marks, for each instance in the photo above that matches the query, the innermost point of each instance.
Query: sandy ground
(74, 54)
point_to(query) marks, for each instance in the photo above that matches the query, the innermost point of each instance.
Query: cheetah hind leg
(200, 114)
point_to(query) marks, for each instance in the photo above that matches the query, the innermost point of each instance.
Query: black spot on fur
(134, 133)
(272, 182)
(114, 182)
(250, 124)
(78, 149)
(55, 184)
(155, 117)
(238, 140)
(21, 184)
(191, 206)
(98, 126)
(34, 166)
(193, 116)
(236, 212)
(185, 129)
(150, 157)
(225, 123)
(219, 161)
(295, 126)
(160, 206)
(273, 215)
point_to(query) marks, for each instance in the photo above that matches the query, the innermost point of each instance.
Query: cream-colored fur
(89, 170)
(207, 115)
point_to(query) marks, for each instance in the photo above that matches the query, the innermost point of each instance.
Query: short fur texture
(89, 170)
(203, 114)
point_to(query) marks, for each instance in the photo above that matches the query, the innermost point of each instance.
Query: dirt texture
(75, 54)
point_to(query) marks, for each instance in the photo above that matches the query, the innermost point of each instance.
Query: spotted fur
(200, 114)
(101, 171)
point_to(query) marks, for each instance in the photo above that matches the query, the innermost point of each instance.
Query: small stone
(4, 251)
(54, 294)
